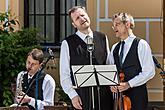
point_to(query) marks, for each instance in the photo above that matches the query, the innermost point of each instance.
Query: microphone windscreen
(90, 44)
(89, 40)
(51, 53)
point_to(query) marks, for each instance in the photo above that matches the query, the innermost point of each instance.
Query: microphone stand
(37, 76)
(51, 55)
(162, 73)
(93, 99)
(90, 48)
(93, 102)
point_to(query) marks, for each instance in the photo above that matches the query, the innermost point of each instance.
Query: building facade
(50, 16)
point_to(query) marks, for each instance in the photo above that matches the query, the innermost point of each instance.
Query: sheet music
(84, 75)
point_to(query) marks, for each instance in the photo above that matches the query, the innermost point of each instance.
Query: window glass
(50, 29)
(40, 6)
(50, 6)
(51, 19)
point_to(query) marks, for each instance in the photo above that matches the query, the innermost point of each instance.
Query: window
(50, 17)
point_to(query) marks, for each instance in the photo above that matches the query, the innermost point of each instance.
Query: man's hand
(76, 101)
(122, 87)
(26, 99)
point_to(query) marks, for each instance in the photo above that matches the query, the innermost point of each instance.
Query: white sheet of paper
(84, 75)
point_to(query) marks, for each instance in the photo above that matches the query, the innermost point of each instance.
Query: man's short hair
(37, 54)
(73, 9)
(125, 17)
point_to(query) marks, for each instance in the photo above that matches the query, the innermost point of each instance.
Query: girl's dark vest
(32, 89)
(131, 67)
(80, 56)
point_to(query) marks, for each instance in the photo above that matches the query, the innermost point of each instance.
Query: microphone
(52, 58)
(90, 44)
(157, 64)
(51, 53)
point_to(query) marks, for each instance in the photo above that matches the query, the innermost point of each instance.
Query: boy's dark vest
(32, 89)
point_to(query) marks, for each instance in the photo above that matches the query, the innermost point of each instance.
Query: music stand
(84, 75)
(95, 75)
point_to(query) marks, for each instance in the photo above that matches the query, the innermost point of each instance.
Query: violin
(121, 102)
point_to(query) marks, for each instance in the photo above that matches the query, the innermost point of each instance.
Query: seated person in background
(46, 84)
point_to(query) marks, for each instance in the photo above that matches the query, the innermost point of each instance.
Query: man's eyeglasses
(116, 25)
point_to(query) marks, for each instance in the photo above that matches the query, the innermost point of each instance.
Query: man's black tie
(121, 53)
(29, 80)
